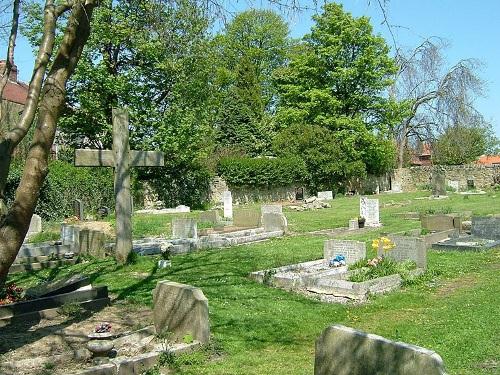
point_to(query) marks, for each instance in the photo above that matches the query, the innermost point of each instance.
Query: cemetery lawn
(453, 309)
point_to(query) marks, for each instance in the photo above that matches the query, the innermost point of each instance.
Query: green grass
(453, 309)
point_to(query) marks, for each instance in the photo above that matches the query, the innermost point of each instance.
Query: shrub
(65, 183)
(262, 172)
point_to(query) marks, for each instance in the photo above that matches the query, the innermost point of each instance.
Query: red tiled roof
(488, 160)
(16, 92)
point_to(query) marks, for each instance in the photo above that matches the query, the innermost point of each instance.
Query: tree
(45, 99)
(336, 79)
(55, 63)
(462, 144)
(432, 98)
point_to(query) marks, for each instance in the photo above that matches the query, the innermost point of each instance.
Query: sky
(472, 29)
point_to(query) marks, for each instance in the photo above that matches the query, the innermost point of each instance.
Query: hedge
(63, 185)
(262, 172)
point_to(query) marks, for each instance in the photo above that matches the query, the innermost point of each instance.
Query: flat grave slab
(466, 243)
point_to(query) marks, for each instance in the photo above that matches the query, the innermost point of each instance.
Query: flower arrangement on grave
(337, 261)
(361, 220)
(10, 294)
(103, 327)
(383, 243)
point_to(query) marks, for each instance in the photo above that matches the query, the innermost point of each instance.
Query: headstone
(369, 209)
(184, 228)
(438, 182)
(299, 194)
(351, 250)
(438, 223)
(353, 224)
(407, 248)
(271, 208)
(228, 204)
(325, 195)
(78, 209)
(211, 216)
(122, 159)
(181, 310)
(470, 184)
(486, 227)
(70, 236)
(396, 187)
(92, 242)
(274, 222)
(65, 285)
(342, 350)
(454, 184)
(246, 218)
(35, 225)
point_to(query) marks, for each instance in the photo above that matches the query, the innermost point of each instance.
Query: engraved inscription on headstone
(486, 227)
(369, 209)
(407, 248)
(352, 250)
(228, 204)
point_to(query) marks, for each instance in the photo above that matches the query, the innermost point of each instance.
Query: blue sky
(471, 27)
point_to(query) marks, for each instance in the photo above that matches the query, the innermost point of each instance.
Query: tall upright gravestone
(122, 159)
(228, 204)
(438, 182)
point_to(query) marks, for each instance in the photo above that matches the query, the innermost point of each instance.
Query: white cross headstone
(228, 204)
(369, 209)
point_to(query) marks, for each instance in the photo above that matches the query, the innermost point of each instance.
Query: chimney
(13, 71)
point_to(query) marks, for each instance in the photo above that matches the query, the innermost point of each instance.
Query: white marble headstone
(369, 209)
(325, 195)
(35, 225)
(228, 204)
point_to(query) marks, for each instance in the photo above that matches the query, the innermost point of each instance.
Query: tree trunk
(14, 226)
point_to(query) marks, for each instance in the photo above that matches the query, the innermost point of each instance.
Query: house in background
(424, 158)
(14, 97)
(489, 160)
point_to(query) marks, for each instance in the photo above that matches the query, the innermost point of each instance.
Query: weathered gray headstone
(438, 182)
(122, 159)
(407, 248)
(246, 218)
(345, 351)
(184, 228)
(228, 204)
(369, 209)
(351, 250)
(271, 208)
(454, 184)
(486, 227)
(70, 236)
(325, 195)
(92, 242)
(274, 222)
(78, 209)
(441, 222)
(35, 225)
(211, 216)
(353, 224)
(181, 310)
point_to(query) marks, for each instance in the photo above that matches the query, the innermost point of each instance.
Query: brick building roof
(488, 160)
(15, 91)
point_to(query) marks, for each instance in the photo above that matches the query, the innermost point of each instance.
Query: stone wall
(415, 178)
(249, 194)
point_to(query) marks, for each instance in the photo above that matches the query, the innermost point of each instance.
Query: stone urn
(100, 344)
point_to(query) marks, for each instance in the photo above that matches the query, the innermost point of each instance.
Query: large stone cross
(122, 159)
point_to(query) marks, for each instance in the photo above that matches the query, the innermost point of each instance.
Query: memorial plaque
(351, 250)
(228, 204)
(407, 248)
(369, 209)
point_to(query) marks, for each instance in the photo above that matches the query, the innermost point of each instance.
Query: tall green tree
(336, 79)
